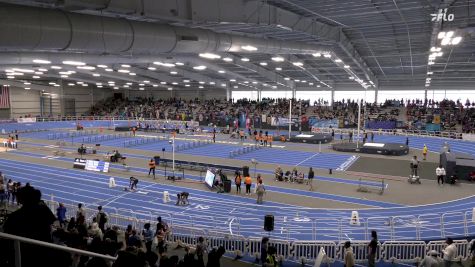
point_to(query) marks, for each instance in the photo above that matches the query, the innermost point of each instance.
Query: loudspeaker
(227, 186)
(269, 223)
(245, 171)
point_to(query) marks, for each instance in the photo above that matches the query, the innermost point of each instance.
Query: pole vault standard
(290, 117)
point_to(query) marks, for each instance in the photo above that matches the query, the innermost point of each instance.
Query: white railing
(399, 132)
(393, 228)
(17, 240)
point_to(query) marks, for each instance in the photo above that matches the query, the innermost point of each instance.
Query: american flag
(5, 97)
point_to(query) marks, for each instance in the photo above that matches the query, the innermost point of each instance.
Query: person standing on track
(310, 176)
(414, 166)
(424, 151)
(440, 172)
(151, 166)
(237, 181)
(248, 183)
(260, 191)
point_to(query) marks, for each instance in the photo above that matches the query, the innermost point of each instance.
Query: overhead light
(186, 81)
(456, 40)
(249, 48)
(246, 82)
(173, 72)
(36, 77)
(317, 55)
(41, 69)
(64, 76)
(212, 83)
(152, 68)
(427, 85)
(431, 63)
(346, 66)
(209, 55)
(445, 41)
(96, 75)
(129, 83)
(201, 82)
(98, 83)
(441, 35)
(179, 63)
(163, 82)
(310, 83)
(278, 59)
(170, 88)
(155, 85)
(51, 83)
(132, 74)
(304, 81)
(439, 54)
(245, 59)
(228, 59)
(221, 71)
(38, 72)
(11, 77)
(73, 63)
(287, 78)
(26, 83)
(254, 82)
(146, 81)
(338, 60)
(168, 65)
(236, 87)
(141, 84)
(27, 88)
(263, 63)
(449, 34)
(174, 83)
(116, 88)
(318, 85)
(101, 66)
(79, 82)
(278, 68)
(123, 71)
(141, 88)
(298, 64)
(435, 49)
(430, 73)
(99, 86)
(86, 67)
(71, 84)
(23, 70)
(57, 85)
(201, 67)
(223, 85)
(187, 85)
(16, 73)
(41, 61)
(201, 87)
(125, 65)
(232, 80)
(327, 55)
(109, 70)
(351, 78)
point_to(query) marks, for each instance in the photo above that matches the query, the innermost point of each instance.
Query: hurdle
(367, 186)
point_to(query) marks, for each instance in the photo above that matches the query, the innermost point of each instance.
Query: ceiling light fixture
(125, 66)
(249, 48)
(41, 61)
(179, 63)
(327, 55)
(35, 77)
(245, 59)
(222, 71)
(123, 71)
(338, 60)
(169, 88)
(209, 56)
(96, 75)
(228, 59)
(278, 68)
(152, 68)
(346, 66)
(298, 64)
(263, 63)
(317, 55)
(101, 66)
(41, 69)
(86, 67)
(201, 67)
(73, 63)
(278, 59)
(132, 73)
(173, 72)
(109, 70)
(287, 78)
(174, 83)
(163, 82)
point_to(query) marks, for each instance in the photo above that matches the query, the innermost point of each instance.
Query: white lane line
(307, 159)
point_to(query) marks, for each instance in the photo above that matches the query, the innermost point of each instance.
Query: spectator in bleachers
(33, 220)
(128, 233)
(449, 252)
(10, 187)
(264, 248)
(431, 261)
(95, 230)
(80, 212)
(214, 257)
(201, 249)
(101, 218)
(372, 249)
(134, 240)
(148, 236)
(349, 256)
(3, 194)
(61, 215)
(270, 260)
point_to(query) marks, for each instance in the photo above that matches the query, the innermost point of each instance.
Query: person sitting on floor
(279, 174)
(453, 179)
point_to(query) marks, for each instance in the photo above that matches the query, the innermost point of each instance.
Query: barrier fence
(145, 140)
(106, 137)
(400, 132)
(185, 231)
(194, 144)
